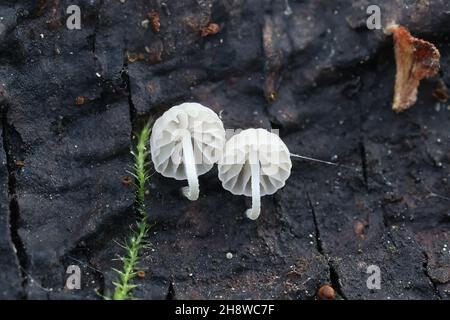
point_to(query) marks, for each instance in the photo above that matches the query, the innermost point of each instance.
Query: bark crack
(171, 292)
(14, 212)
(333, 276)
(127, 84)
(316, 225)
(362, 152)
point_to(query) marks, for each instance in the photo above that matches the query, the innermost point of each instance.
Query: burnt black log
(71, 101)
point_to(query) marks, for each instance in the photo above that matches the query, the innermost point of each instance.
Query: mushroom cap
(272, 153)
(207, 136)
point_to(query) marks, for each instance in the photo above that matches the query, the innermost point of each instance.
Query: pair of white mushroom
(188, 139)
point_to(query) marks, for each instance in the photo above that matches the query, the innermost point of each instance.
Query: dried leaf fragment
(440, 92)
(133, 57)
(416, 59)
(19, 164)
(127, 181)
(80, 100)
(359, 229)
(210, 29)
(155, 22)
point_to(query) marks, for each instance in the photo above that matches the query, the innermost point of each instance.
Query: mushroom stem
(254, 212)
(192, 191)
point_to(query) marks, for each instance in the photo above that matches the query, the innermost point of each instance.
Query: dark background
(317, 74)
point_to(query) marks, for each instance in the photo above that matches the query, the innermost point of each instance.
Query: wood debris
(416, 59)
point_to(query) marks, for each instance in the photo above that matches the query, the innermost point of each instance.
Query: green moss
(133, 247)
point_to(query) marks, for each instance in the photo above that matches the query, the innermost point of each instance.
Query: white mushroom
(185, 143)
(255, 163)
